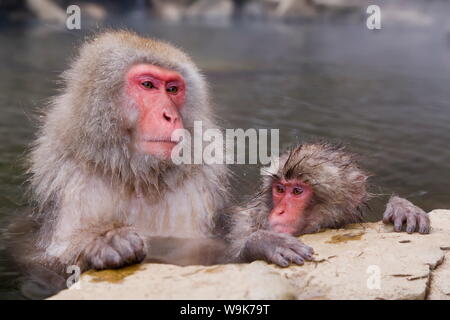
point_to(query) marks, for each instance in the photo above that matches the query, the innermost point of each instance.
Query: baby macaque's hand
(279, 248)
(400, 211)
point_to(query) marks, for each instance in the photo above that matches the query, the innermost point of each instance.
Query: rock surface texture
(362, 261)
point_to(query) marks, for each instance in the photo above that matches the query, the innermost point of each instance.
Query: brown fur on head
(338, 183)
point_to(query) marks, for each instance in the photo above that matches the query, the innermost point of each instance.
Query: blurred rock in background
(407, 12)
(54, 11)
(49, 11)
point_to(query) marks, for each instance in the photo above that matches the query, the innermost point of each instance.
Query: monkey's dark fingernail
(299, 261)
(409, 229)
(424, 230)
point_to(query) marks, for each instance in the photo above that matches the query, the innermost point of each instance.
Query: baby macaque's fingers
(424, 223)
(303, 250)
(411, 222)
(398, 222)
(388, 214)
(292, 256)
(278, 259)
(279, 248)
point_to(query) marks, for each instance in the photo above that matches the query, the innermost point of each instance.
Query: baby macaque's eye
(172, 89)
(279, 188)
(297, 191)
(147, 84)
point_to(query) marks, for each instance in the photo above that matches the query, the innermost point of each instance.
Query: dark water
(385, 93)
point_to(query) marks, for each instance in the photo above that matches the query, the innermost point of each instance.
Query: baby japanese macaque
(315, 186)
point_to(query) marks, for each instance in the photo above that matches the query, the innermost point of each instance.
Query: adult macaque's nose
(172, 116)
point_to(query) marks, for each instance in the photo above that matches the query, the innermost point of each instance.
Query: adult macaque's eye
(279, 188)
(147, 84)
(172, 89)
(297, 191)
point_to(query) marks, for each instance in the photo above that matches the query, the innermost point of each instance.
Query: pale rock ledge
(363, 261)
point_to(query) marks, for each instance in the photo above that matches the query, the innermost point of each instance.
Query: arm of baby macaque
(251, 238)
(279, 248)
(400, 211)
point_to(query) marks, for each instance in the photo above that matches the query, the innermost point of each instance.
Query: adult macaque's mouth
(161, 141)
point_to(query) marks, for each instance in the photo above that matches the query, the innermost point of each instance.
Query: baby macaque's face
(291, 198)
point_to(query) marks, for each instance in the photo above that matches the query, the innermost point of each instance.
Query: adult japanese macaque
(315, 186)
(101, 173)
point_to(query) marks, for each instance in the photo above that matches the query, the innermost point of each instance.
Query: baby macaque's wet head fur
(339, 185)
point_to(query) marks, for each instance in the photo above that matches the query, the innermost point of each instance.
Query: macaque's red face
(290, 200)
(159, 95)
